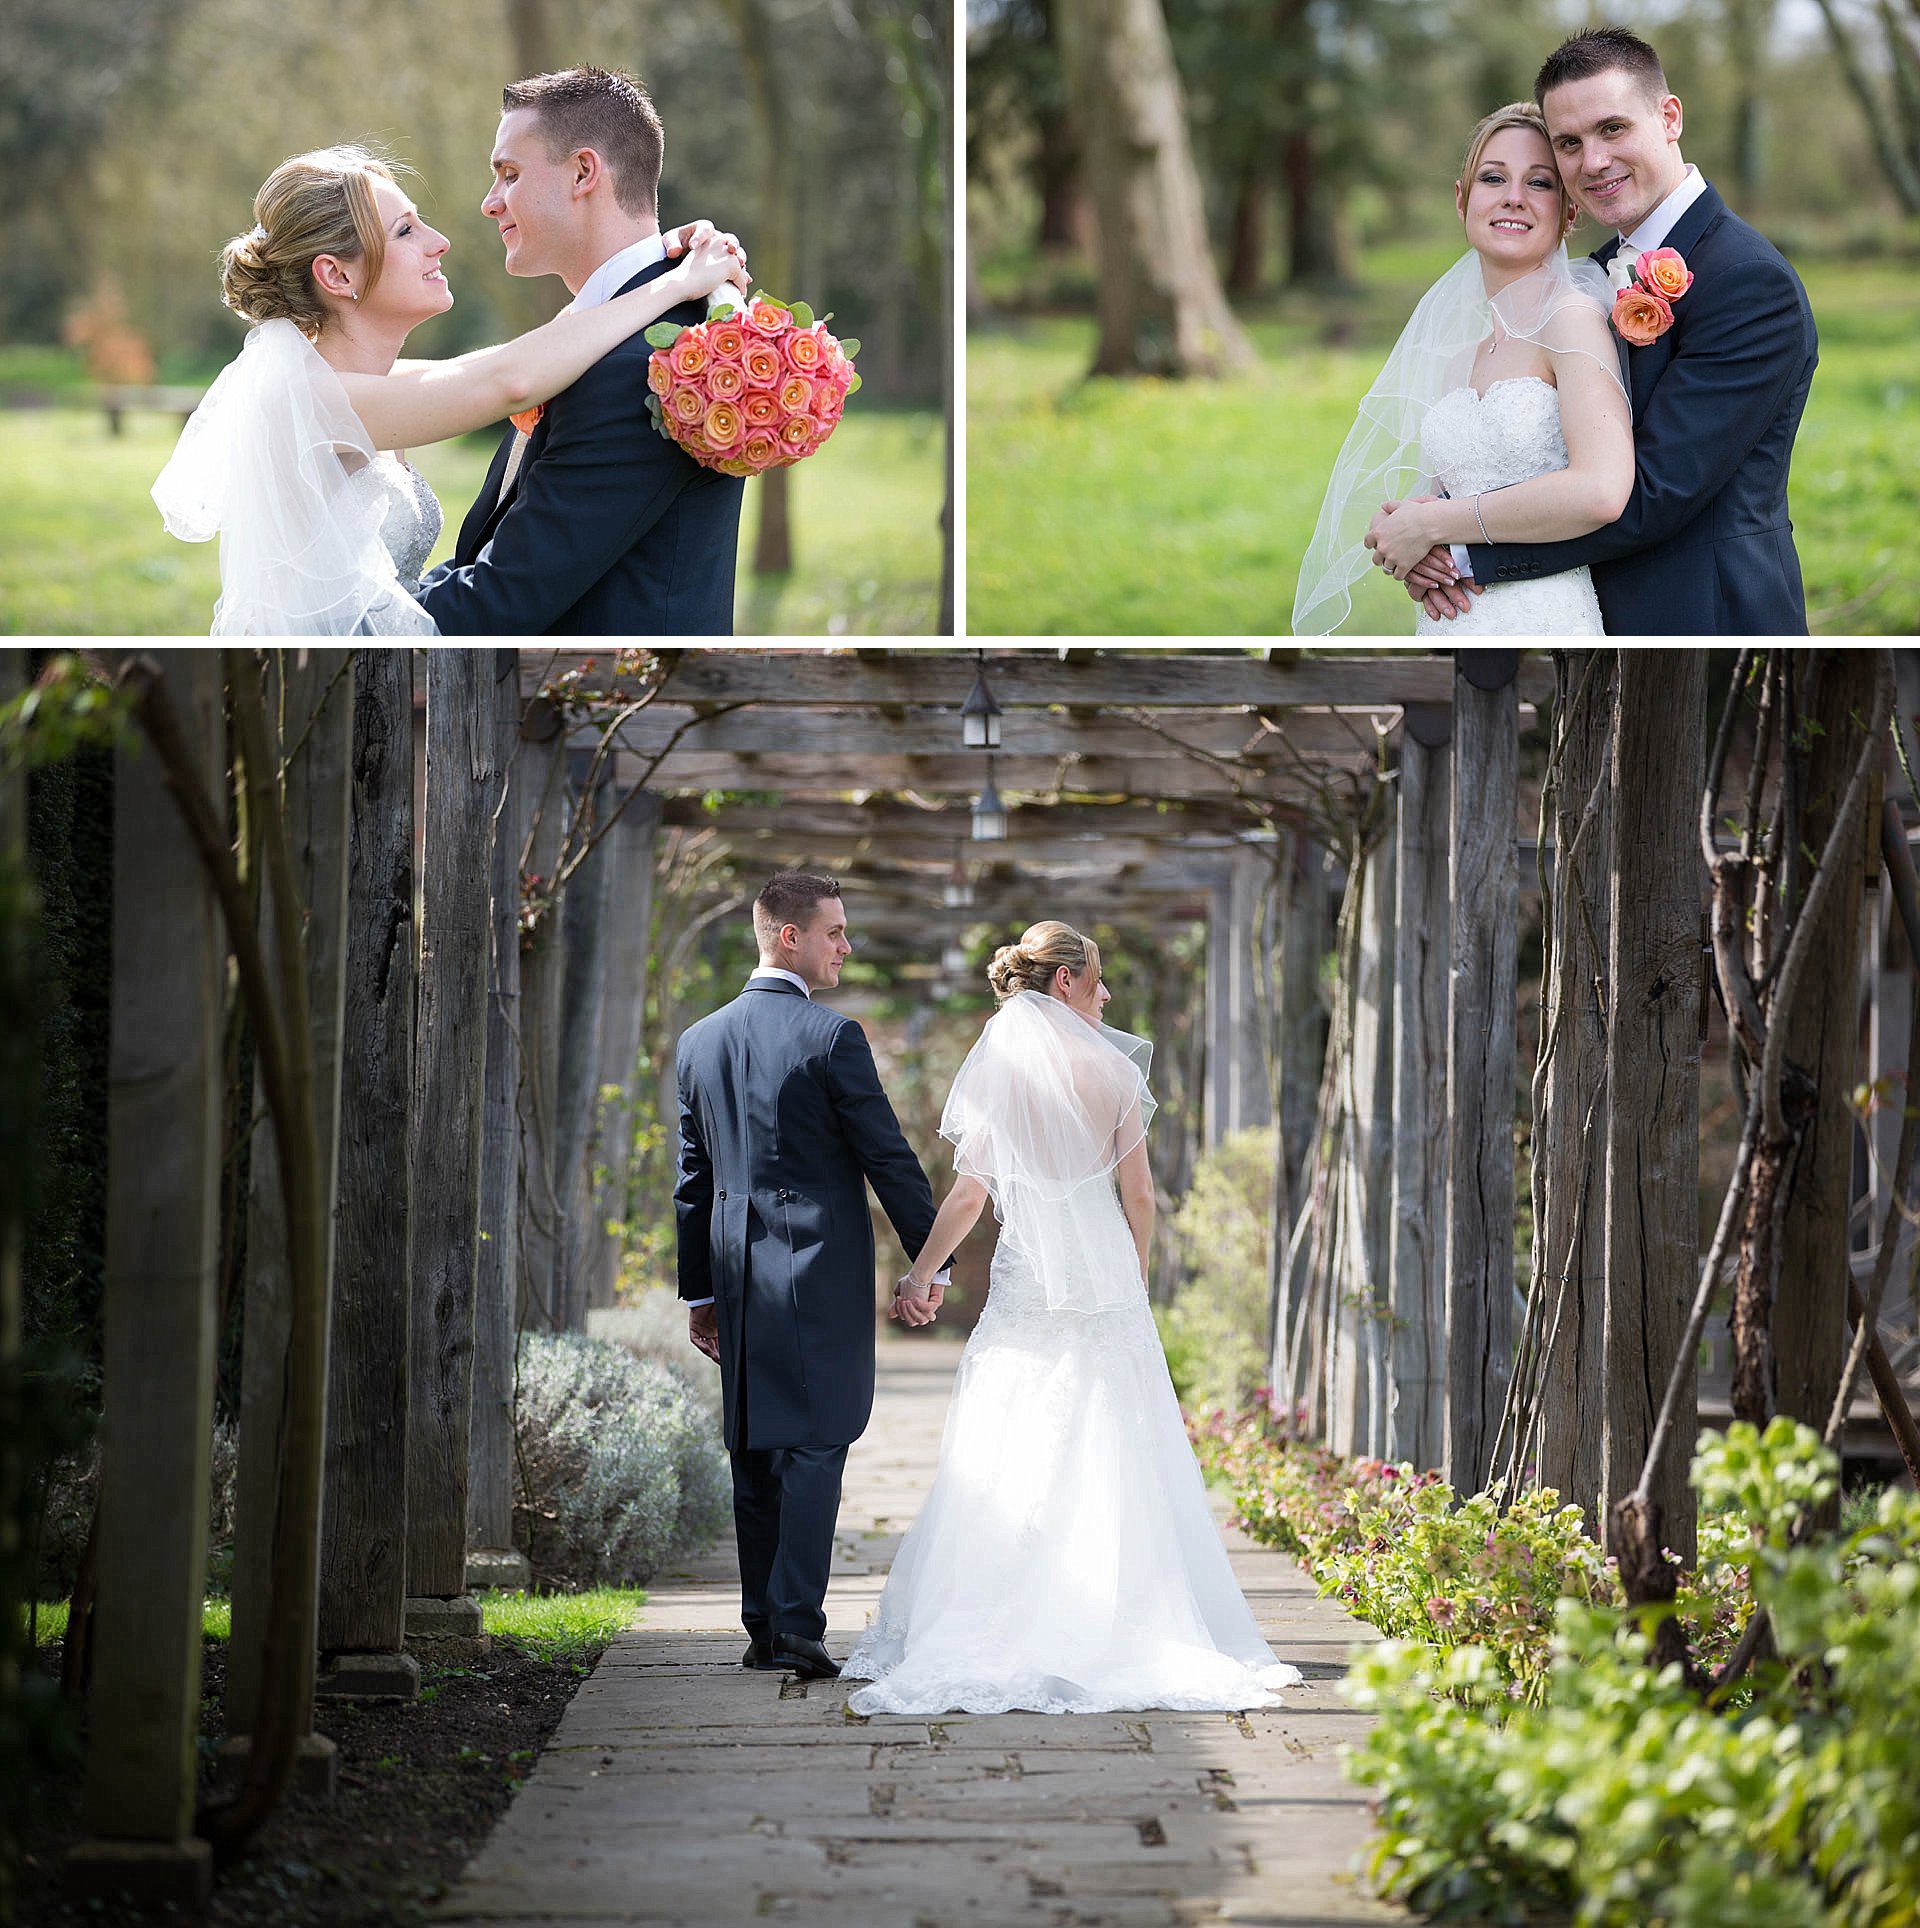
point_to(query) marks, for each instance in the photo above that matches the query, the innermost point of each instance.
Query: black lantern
(989, 813)
(980, 716)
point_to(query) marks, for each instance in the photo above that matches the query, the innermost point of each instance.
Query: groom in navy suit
(593, 523)
(783, 1125)
(1704, 547)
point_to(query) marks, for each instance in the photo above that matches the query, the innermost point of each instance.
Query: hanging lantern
(980, 716)
(957, 892)
(989, 813)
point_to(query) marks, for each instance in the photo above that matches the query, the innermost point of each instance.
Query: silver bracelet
(1479, 518)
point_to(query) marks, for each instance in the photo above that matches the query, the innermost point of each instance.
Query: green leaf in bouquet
(774, 301)
(854, 386)
(850, 346)
(802, 315)
(663, 334)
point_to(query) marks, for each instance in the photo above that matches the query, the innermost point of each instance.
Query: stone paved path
(681, 1789)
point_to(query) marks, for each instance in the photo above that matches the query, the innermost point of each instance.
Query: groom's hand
(703, 1328)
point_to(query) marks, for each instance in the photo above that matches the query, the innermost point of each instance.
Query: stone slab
(145, 1874)
(375, 1676)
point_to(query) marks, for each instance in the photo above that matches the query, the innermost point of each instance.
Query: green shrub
(1215, 1331)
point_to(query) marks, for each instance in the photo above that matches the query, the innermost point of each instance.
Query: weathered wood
(162, 1239)
(1417, 1281)
(1145, 679)
(1485, 891)
(1890, 1012)
(363, 1541)
(582, 1005)
(1302, 1021)
(496, 1272)
(450, 1049)
(629, 939)
(542, 759)
(889, 821)
(1571, 1157)
(1653, 1068)
(1823, 1037)
(1237, 1092)
(315, 709)
(19, 1124)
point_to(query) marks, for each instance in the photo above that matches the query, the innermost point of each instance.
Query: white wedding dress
(1469, 442)
(1065, 1559)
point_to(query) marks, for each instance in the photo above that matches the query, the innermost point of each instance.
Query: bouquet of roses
(753, 387)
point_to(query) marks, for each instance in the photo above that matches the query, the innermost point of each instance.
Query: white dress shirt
(945, 1274)
(617, 270)
(1651, 233)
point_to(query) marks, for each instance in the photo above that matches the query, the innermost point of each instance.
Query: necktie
(515, 456)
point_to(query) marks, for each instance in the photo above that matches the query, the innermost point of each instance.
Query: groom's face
(531, 201)
(1617, 142)
(819, 946)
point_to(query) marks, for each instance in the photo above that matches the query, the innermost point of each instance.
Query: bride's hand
(709, 257)
(1402, 533)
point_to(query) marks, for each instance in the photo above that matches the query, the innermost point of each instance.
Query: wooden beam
(888, 817)
(1171, 678)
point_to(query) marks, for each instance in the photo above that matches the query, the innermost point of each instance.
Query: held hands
(703, 1329)
(1403, 543)
(915, 1303)
(709, 256)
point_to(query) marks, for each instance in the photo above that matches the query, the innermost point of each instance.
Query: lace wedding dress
(410, 518)
(1472, 441)
(1065, 1559)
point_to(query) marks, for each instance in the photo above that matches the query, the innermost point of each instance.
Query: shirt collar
(1653, 231)
(792, 977)
(617, 270)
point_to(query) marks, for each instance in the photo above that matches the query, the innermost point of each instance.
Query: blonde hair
(1516, 113)
(310, 205)
(1030, 964)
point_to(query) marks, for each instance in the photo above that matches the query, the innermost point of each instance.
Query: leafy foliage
(1215, 1331)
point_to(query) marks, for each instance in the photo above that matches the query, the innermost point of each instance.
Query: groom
(594, 523)
(1704, 547)
(783, 1124)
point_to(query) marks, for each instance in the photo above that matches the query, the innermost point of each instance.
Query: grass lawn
(82, 551)
(1098, 507)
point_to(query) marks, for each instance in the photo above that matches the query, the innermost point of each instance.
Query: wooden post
(363, 1540)
(163, 1188)
(1485, 889)
(19, 1124)
(1891, 1012)
(1417, 1265)
(491, 1557)
(450, 1069)
(542, 970)
(631, 848)
(315, 688)
(1823, 1037)
(1249, 910)
(1303, 1019)
(1653, 1069)
(1221, 1051)
(583, 999)
(1571, 1157)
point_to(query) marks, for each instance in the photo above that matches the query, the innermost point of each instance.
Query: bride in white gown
(1500, 416)
(1065, 1560)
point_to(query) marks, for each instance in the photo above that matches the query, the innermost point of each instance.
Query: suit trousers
(786, 1500)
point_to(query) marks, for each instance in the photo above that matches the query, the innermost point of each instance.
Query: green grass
(561, 1626)
(216, 1621)
(82, 551)
(1107, 507)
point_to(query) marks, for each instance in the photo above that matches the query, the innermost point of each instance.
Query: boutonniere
(1645, 288)
(528, 418)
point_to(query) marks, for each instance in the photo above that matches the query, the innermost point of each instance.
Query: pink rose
(763, 318)
(761, 360)
(726, 382)
(1664, 272)
(829, 400)
(803, 350)
(688, 355)
(762, 408)
(760, 450)
(1641, 316)
(798, 434)
(724, 425)
(687, 405)
(659, 372)
(796, 394)
(727, 339)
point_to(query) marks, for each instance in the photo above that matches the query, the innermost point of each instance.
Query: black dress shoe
(807, 1658)
(760, 1656)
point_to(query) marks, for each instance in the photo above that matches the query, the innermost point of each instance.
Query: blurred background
(1280, 177)
(133, 134)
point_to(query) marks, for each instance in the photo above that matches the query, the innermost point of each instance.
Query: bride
(1065, 1560)
(296, 457)
(1500, 416)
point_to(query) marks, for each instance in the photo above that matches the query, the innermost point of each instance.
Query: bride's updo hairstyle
(1516, 113)
(314, 204)
(1030, 964)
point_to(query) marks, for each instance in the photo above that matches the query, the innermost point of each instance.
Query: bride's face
(411, 287)
(1511, 206)
(1086, 995)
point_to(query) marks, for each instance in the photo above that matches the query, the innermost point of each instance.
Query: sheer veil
(1561, 305)
(266, 463)
(1042, 1111)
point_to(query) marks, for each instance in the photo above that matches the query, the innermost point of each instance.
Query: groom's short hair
(609, 112)
(1601, 50)
(790, 898)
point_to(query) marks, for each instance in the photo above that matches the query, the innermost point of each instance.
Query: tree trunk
(1417, 1268)
(1653, 1071)
(363, 1550)
(540, 767)
(1247, 248)
(1056, 162)
(1314, 255)
(1160, 305)
(462, 788)
(1823, 1037)
(496, 1271)
(610, 1150)
(315, 741)
(1485, 891)
(530, 30)
(162, 1232)
(1571, 1157)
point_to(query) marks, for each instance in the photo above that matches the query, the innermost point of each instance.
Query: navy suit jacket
(1704, 547)
(610, 529)
(782, 1125)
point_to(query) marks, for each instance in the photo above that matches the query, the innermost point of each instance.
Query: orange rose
(761, 360)
(659, 372)
(1641, 316)
(1664, 272)
(528, 419)
(796, 394)
(798, 434)
(725, 382)
(688, 355)
(727, 339)
(762, 408)
(803, 350)
(687, 405)
(763, 318)
(760, 450)
(724, 425)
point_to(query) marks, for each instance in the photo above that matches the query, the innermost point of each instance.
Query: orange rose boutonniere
(528, 418)
(1645, 288)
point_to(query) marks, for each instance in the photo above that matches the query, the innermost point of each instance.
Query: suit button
(786, 1198)
(723, 1194)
